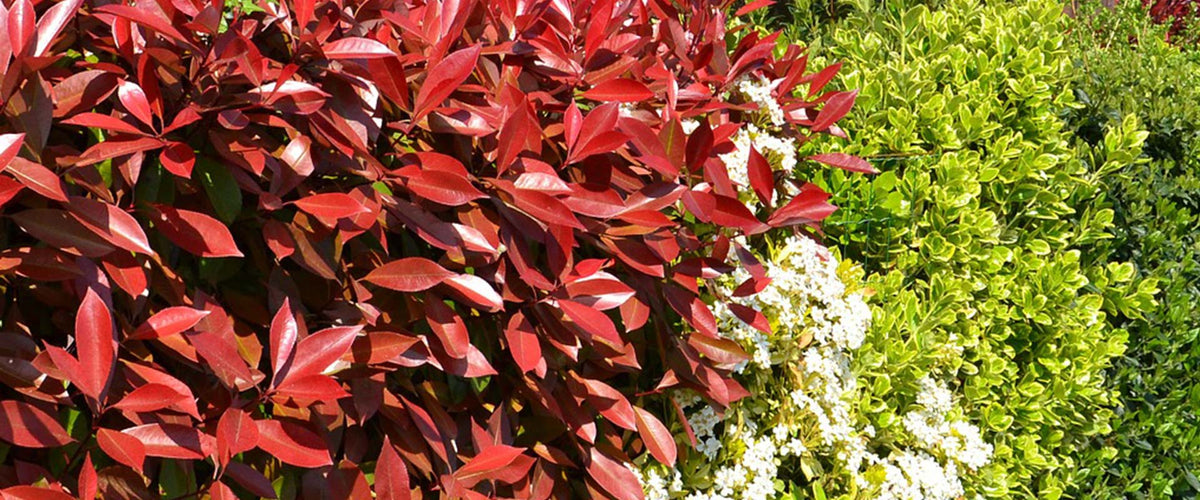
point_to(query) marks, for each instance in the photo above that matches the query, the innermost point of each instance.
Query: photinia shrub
(315, 248)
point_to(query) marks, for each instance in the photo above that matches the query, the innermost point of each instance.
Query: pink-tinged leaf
(523, 343)
(762, 178)
(21, 24)
(219, 491)
(834, 109)
(657, 437)
(444, 78)
(123, 448)
(331, 205)
(316, 352)
(24, 492)
(410, 274)
(134, 99)
(195, 232)
(284, 334)
(95, 344)
(37, 178)
(808, 206)
(475, 291)
(613, 476)
(27, 425)
(619, 90)
(173, 441)
(52, 23)
(88, 482)
(169, 321)
(753, 6)
(292, 444)
(148, 398)
(488, 464)
(251, 479)
(600, 291)
(356, 48)
(10, 145)
(448, 327)
(9, 189)
(236, 433)
(592, 321)
(442, 187)
(292, 96)
(179, 159)
(310, 388)
(391, 475)
(111, 223)
(105, 122)
(610, 402)
(845, 162)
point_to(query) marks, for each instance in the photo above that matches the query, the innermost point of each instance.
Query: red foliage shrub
(1179, 13)
(453, 244)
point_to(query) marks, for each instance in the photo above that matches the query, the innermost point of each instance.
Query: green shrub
(1155, 448)
(981, 233)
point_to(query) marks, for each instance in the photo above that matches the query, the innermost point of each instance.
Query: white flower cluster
(959, 441)
(919, 476)
(758, 91)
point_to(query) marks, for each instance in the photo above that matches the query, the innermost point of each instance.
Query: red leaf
(316, 352)
(753, 6)
(619, 90)
(218, 491)
(331, 205)
(442, 187)
(111, 223)
(33, 493)
(845, 162)
(718, 349)
(195, 232)
(134, 99)
(448, 327)
(292, 444)
(9, 189)
(169, 321)
(38, 178)
(179, 159)
(59, 230)
(10, 145)
(144, 18)
(391, 475)
(355, 48)
(52, 23)
(219, 350)
(592, 321)
(762, 178)
(545, 208)
(835, 108)
(26, 425)
(444, 78)
(475, 291)
(20, 27)
(236, 433)
(173, 441)
(410, 274)
(312, 388)
(118, 146)
(122, 447)
(614, 477)
(251, 479)
(821, 78)
(95, 344)
(808, 206)
(106, 122)
(284, 334)
(148, 398)
(658, 439)
(488, 464)
(88, 482)
(523, 343)
(610, 402)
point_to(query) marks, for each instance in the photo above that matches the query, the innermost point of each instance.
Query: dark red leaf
(613, 476)
(111, 223)
(523, 343)
(134, 99)
(284, 335)
(444, 78)
(173, 441)
(26, 425)
(179, 159)
(96, 346)
(448, 327)
(195, 232)
(292, 444)
(37, 178)
(391, 475)
(762, 178)
(442, 187)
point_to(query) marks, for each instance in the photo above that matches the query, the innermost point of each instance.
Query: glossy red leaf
(523, 343)
(111, 223)
(808, 206)
(331, 205)
(95, 344)
(762, 178)
(283, 336)
(316, 352)
(219, 491)
(488, 464)
(123, 448)
(133, 98)
(844, 162)
(29, 426)
(444, 78)
(149, 398)
(21, 24)
(169, 321)
(88, 482)
(610, 403)
(475, 291)
(356, 48)
(10, 145)
(834, 109)
(592, 321)
(410, 274)
(106, 122)
(619, 90)
(391, 475)
(616, 479)
(448, 327)
(292, 444)
(442, 187)
(33, 493)
(236, 433)
(310, 388)
(179, 159)
(659, 440)
(52, 23)
(9, 189)
(195, 232)
(173, 441)
(220, 352)
(37, 178)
